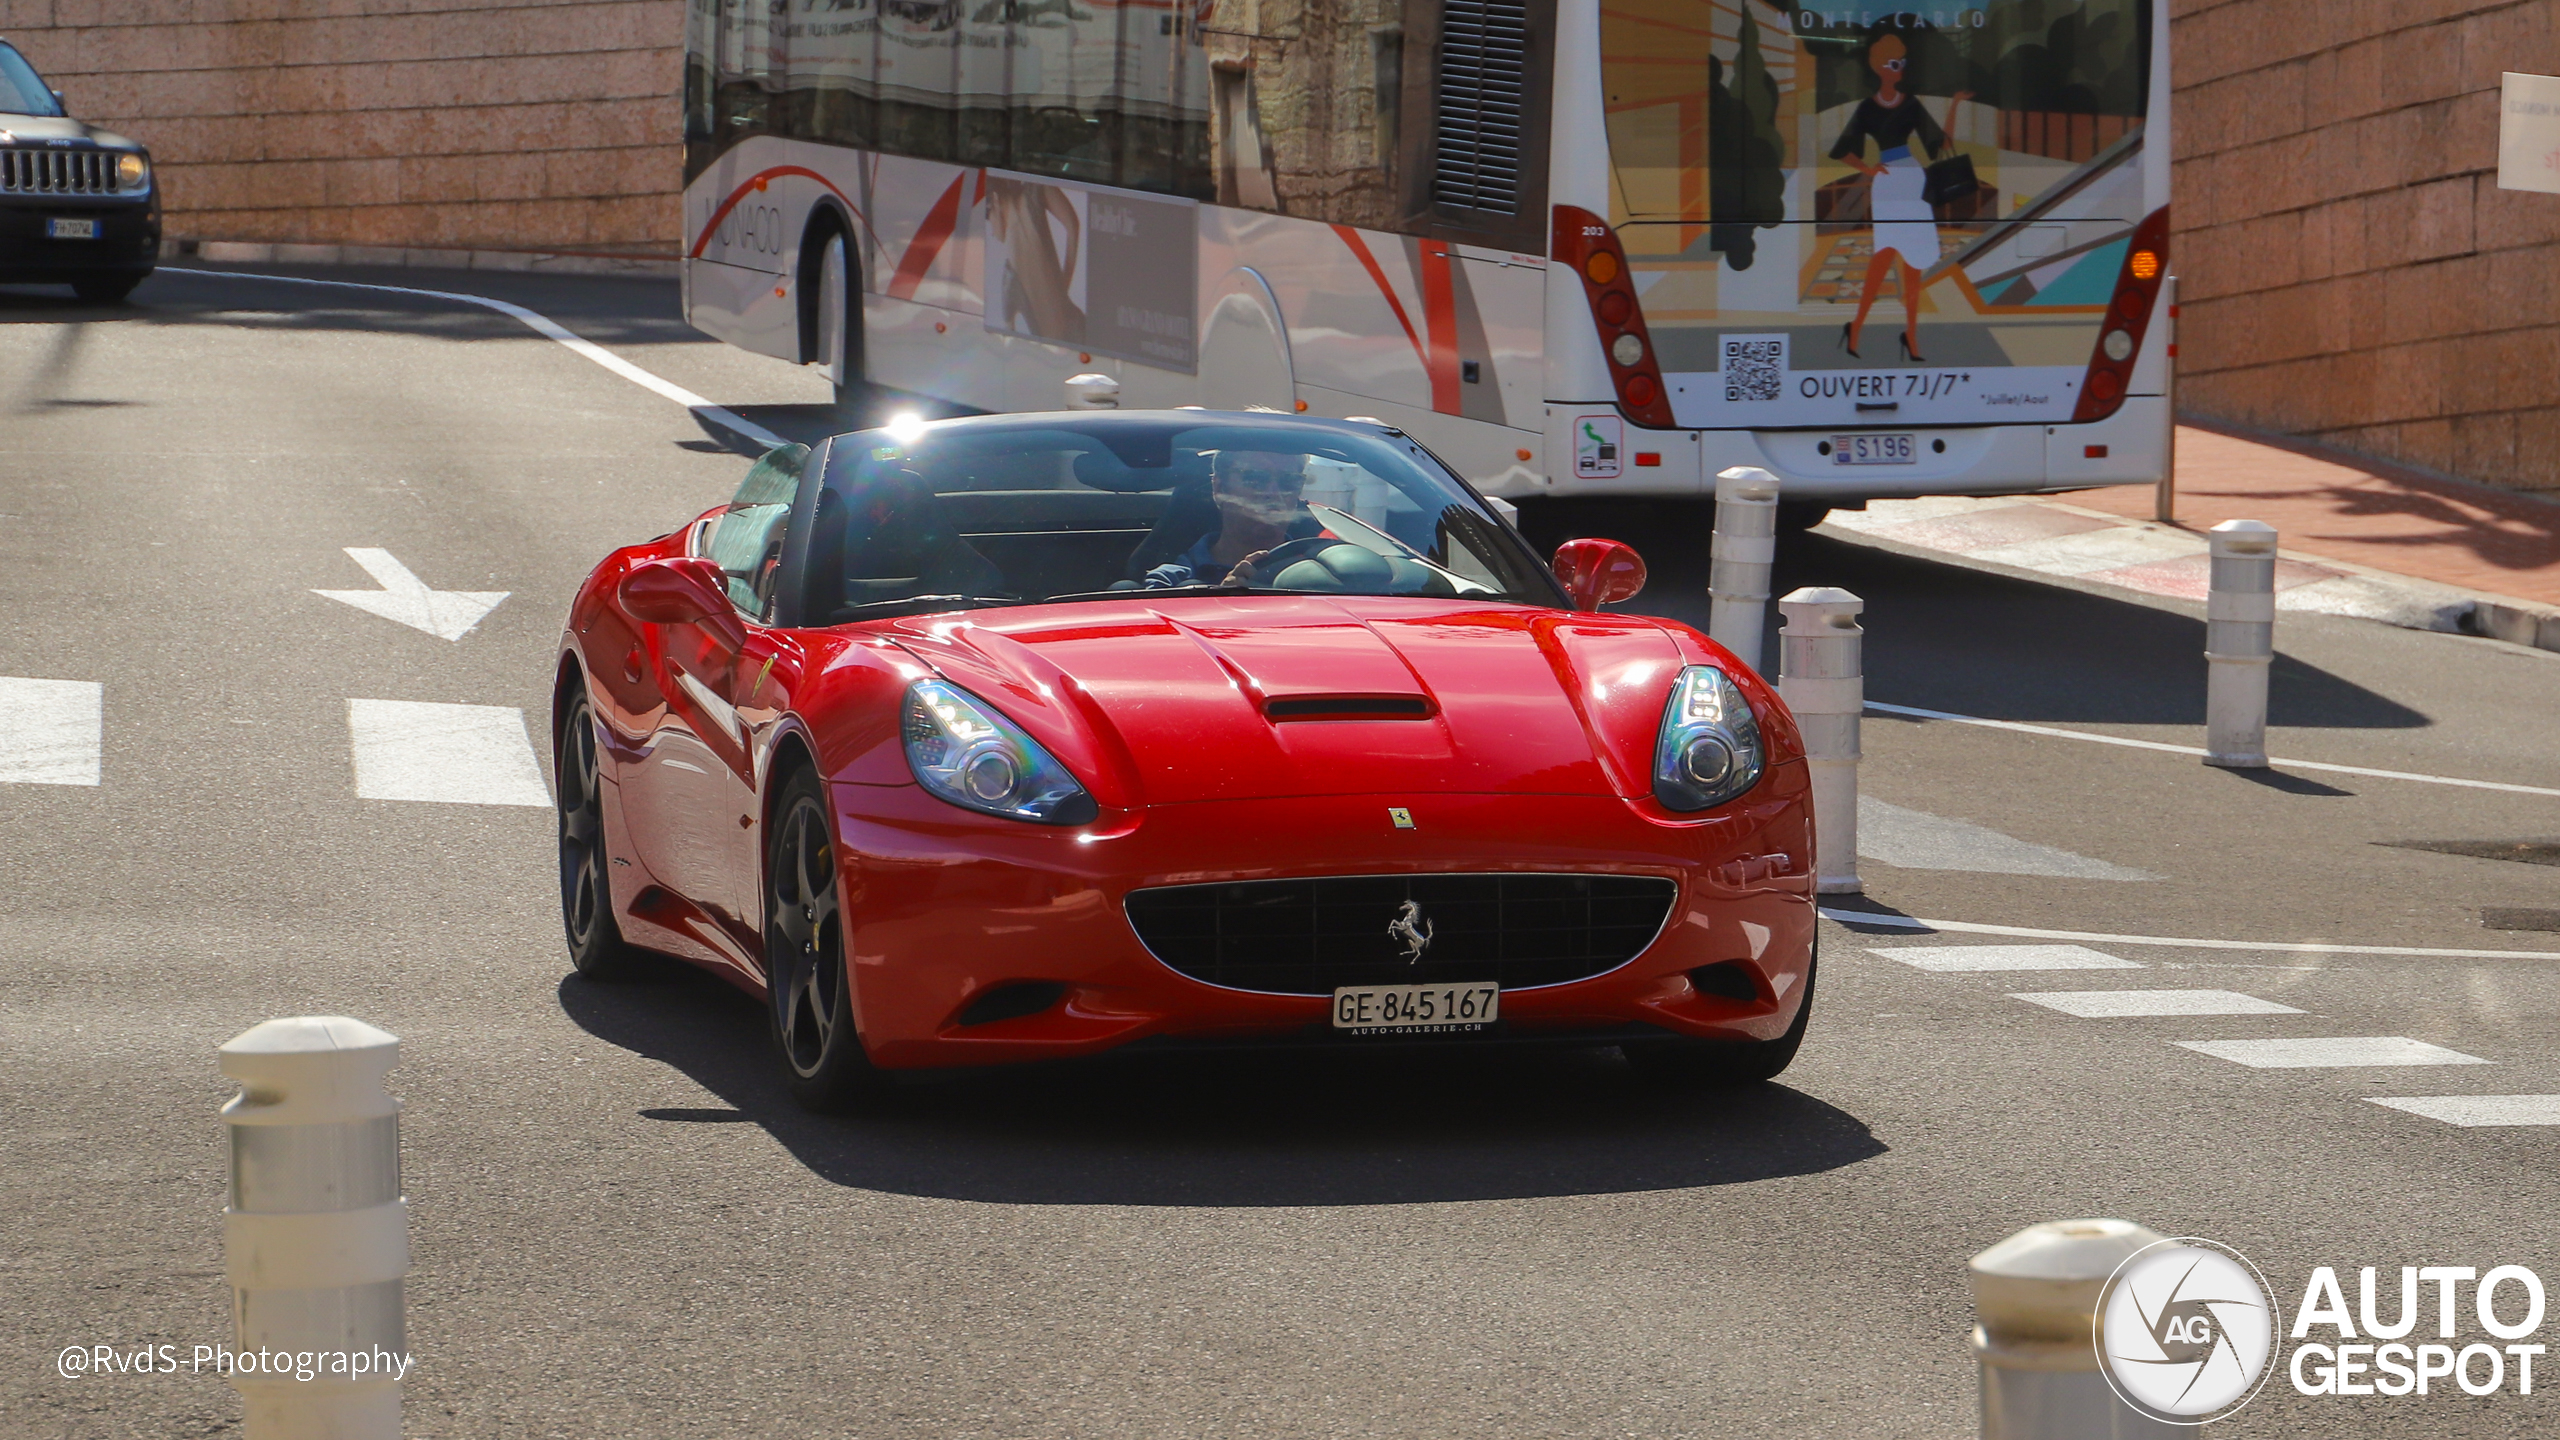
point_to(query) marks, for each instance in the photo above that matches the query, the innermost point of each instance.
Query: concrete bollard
(316, 1237)
(2036, 1297)
(2239, 643)
(1744, 547)
(1822, 677)
(1092, 392)
(2164, 496)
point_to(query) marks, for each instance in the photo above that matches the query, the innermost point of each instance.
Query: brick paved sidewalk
(2356, 538)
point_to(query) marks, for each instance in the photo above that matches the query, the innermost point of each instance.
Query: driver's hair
(1225, 463)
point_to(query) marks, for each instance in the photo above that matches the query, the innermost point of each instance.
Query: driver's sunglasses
(1897, 66)
(1266, 482)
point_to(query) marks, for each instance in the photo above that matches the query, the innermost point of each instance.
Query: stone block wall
(489, 124)
(2348, 268)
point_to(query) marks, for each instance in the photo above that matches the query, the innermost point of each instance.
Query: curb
(2403, 601)
(2518, 622)
(553, 262)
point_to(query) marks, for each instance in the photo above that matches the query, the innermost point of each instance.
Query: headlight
(964, 752)
(132, 170)
(1709, 750)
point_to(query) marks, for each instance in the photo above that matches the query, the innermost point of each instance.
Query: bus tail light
(1585, 242)
(2146, 263)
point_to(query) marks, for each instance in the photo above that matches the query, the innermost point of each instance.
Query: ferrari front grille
(1306, 937)
(26, 170)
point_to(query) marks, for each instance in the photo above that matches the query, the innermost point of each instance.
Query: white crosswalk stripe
(2300, 1053)
(1947, 959)
(2114, 1004)
(2476, 1110)
(1916, 840)
(49, 731)
(449, 754)
(2326, 1052)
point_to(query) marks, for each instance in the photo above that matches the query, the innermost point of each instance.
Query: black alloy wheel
(596, 946)
(805, 978)
(1684, 1064)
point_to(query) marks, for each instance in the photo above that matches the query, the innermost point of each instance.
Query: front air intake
(29, 170)
(1306, 937)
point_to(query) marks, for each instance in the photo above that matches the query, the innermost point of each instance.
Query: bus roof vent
(1484, 57)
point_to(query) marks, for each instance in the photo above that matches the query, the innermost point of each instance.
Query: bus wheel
(839, 326)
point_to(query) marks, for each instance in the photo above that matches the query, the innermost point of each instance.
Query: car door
(725, 681)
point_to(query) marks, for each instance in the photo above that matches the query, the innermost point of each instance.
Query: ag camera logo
(2185, 1331)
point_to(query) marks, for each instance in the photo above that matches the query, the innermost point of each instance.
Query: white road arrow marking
(445, 614)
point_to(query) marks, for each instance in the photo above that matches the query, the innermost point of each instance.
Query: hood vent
(1348, 707)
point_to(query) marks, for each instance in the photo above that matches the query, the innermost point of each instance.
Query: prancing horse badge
(1400, 817)
(1411, 930)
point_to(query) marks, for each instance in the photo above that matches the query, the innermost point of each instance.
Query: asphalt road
(622, 1227)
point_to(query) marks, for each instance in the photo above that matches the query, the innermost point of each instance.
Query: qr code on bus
(1754, 366)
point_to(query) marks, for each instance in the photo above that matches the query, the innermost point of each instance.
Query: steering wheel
(1289, 552)
(1341, 568)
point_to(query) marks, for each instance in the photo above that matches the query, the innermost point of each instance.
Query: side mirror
(1599, 572)
(680, 591)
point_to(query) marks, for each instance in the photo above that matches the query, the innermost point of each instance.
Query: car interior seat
(1188, 516)
(893, 541)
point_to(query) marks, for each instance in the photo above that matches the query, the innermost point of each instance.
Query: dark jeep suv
(77, 204)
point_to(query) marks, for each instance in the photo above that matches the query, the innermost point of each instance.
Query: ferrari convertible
(1033, 736)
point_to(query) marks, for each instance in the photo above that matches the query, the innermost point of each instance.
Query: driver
(1261, 506)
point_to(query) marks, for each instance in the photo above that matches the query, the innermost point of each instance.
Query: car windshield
(22, 92)
(1019, 512)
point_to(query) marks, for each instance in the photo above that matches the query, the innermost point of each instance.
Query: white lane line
(1952, 959)
(451, 754)
(1916, 840)
(2119, 1004)
(49, 731)
(2325, 1053)
(1967, 927)
(545, 326)
(2094, 738)
(2474, 1110)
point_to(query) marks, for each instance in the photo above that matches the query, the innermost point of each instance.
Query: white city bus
(1574, 246)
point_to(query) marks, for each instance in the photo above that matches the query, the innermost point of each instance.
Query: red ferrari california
(1032, 736)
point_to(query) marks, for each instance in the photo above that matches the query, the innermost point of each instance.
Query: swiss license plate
(1452, 1009)
(1873, 450)
(71, 229)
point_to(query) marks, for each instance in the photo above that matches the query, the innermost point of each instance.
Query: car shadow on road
(1234, 1130)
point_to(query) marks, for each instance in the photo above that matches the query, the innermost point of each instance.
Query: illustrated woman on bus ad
(1906, 230)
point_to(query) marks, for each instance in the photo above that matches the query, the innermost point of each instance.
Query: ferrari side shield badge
(1402, 818)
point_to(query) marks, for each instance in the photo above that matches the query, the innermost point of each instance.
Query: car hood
(36, 129)
(1227, 698)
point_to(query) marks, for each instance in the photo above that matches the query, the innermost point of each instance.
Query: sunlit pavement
(621, 1226)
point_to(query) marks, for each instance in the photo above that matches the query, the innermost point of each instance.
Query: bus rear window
(1730, 116)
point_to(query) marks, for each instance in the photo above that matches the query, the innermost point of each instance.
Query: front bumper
(944, 906)
(128, 240)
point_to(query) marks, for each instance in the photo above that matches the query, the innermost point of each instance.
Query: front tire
(108, 289)
(809, 990)
(596, 946)
(1710, 1064)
